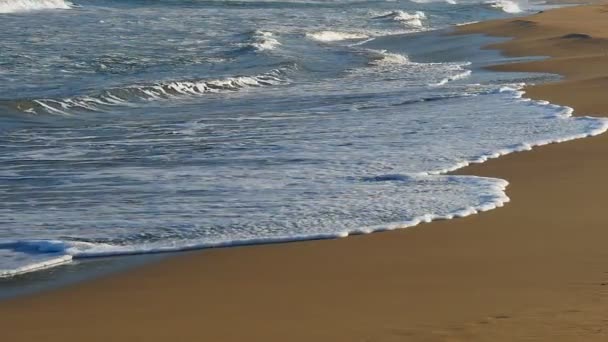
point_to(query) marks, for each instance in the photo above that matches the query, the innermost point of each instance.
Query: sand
(536, 269)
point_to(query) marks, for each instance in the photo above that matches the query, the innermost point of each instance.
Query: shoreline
(478, 277)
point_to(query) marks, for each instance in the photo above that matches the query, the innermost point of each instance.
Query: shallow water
(131, 127)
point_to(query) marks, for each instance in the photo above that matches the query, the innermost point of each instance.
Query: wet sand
(536, 269)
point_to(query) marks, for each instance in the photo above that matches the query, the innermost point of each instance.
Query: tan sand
(534, 270)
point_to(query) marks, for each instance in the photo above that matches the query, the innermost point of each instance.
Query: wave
(599, 126)
(414, 20)
(411, 21)
(262, 41)
(384, 58)
(15, 6)
(464, 74)
(126, 96)
(508, 6)
(53, 253)
(332, 36)
(50, 253)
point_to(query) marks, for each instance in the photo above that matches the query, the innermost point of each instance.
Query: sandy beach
(535, 270)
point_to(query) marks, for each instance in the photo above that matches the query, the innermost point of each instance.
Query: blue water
(131, 127)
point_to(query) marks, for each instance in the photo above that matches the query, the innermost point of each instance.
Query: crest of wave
(385, 59)
(14, 6)
(263, 40)
(410, 19)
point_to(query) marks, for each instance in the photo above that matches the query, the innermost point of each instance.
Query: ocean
(130, 127)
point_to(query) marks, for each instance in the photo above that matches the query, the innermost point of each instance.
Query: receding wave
(15, 6)
(52, 253)
(129, 95)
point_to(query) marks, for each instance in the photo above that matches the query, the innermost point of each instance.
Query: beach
(536, 269)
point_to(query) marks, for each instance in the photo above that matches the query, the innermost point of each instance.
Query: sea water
(132, 126)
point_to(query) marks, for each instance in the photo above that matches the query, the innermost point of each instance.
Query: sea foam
(462, 75)
(33, 255)
(410, 19)
(508, 6)
(384, 58)
(15, 6)
(44, 254)
(130, 94)
(333, 36)
(263, 41)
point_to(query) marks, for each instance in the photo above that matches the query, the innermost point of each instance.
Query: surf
(130, 95)
(17, 6)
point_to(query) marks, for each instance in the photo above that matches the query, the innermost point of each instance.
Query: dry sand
(534, 270)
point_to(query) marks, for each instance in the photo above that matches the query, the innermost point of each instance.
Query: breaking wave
(413, 20)
(125, 96)
(383, 58)
(262, 41)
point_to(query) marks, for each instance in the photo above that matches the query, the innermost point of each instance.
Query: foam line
(62, 252)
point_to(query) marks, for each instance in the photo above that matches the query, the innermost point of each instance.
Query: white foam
(385, 58)
(333, 36)
(128, 95)
(464, 74)
(36, 266)
(599, 126)
(467, 23)
(57, 252)
(31, 256)
(15, 6)
(455, 70)
(508, 6)
(413, 20)
(51, 253)
(263, 41)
